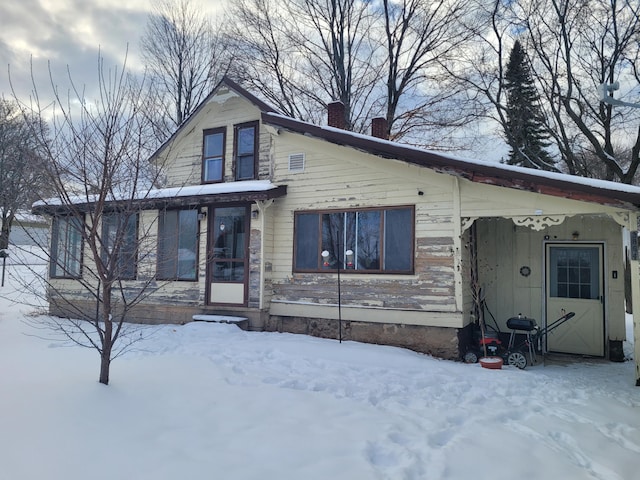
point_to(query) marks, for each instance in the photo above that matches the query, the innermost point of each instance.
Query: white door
(574, 284)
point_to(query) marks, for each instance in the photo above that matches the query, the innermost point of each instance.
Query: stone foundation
(437, 341)
(153, 314)
(440, 342)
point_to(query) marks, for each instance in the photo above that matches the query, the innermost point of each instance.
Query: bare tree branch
(184, 58)
(96, 154)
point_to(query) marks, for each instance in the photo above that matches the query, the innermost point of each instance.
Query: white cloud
(70, 33)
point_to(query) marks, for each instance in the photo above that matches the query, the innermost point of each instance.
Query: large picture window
(371, 240)
(246, 150)
(120, 244)
(213, 155)
(66, 247)
(178, 245)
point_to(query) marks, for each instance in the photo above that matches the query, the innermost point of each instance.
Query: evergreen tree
(524, 127)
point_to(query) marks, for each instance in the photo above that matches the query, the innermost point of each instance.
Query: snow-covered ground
(207, 401)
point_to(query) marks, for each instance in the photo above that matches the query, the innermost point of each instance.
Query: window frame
(236, 150)
(205, 133)
(175, 276)
(381, 270)
(54, 265)
(124, 258)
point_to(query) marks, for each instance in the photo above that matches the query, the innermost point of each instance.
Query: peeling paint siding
(255, 241)
(465, 268)
(268, 239)
(339, 178)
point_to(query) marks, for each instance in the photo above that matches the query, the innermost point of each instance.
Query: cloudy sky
(68, 34)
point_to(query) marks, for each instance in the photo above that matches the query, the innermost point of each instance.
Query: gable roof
(490, 173)
(225, 82)
(521, 178)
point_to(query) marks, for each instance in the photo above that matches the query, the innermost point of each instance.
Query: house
(28, 230)
(317, 230)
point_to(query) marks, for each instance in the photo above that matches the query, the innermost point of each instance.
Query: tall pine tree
(524, 127)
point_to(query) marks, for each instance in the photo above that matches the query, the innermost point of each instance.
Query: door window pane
(575, 272)
(229, 244)
(228, 272)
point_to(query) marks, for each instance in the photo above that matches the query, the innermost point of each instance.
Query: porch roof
(191, 195)
(492, 173)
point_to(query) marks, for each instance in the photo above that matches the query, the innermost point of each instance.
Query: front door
(227, 259)
(574, 284)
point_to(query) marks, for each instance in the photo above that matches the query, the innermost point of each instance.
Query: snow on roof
(375, 143)
(211, 189)
(247, 186)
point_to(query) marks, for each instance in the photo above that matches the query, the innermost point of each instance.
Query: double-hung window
(120, 244)
(369, 240)
(66, 247)
(246, 150)
(213, 155)
(178, 245)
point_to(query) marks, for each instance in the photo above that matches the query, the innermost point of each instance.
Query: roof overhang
(520, 178)
(175, 197)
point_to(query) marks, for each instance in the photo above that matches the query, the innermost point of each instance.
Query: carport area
(543, 268)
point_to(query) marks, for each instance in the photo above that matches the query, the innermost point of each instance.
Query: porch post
(262, 210)
(457, 245)
(635, 298)
(635, 292)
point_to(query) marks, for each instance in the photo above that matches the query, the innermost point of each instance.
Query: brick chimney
(335, 115)
(380, 128)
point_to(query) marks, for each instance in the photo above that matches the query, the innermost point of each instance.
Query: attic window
(296, 162)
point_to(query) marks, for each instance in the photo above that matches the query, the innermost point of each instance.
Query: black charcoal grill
(532, 333)
(527, 325)
(515, 354)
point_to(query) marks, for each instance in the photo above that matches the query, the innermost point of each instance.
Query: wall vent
(296, 162)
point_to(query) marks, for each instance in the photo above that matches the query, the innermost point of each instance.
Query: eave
(519, 178)
(158, 202)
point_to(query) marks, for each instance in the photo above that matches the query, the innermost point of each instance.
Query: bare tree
(96, 154)
(20, 166)
(578, 46)
(480, 68)
(335, 35)
(420, 35)
(378, 58)
(266, 56)
(184, 58)
(303, 54)
(574, 46)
